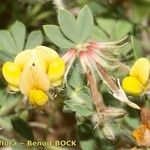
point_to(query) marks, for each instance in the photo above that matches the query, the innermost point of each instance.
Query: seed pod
(108, 132)
(114, 113)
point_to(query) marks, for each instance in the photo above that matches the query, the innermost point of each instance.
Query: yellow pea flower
(32, 73)
(40, 56)
(132, 85)
(56, 70)
(137, 81)
(34, 83)
(11, 73)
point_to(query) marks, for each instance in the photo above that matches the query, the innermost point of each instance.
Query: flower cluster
(94, 58)
(33, 72)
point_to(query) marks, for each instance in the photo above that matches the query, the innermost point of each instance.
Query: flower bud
(108, 132)
(114, 112)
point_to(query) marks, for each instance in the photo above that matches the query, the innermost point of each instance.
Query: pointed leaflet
(106, 24)
(35, 38)
(122, 28)
(76, 77)
(18, 31)
(8, 103)
(136, 48)
(67, 24)
(7, 43)
(85, 24)
(54, 34)
(80, 103)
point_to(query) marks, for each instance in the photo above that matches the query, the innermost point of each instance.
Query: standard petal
(24, 59)
(132, 86)
(141, 70)
(11, 73)
(56, 69)
(33, 78)
(43, 56)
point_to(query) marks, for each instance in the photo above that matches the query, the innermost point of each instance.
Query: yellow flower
(137, 81)
(34, 83)
(40, 56)
(32, 73)
(11, 73)
(56, 70)
(45, 58)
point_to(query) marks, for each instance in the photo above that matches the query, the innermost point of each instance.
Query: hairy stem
(96, 95)
(107, 78)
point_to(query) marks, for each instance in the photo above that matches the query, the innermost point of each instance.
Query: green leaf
(76, 77)
(7, 43)
(68, 25)
(122, 28)
(35, 38)
(54, 34)
(114, 29)
(106, 24)
(40, 17)
(5, 123)
(85, 23)
(98, 34)
(86, 135)
(80, 103)
(18, 31)
(136, 47)
(22, 127)
(8, 103)
(80, 110)
(132, 122)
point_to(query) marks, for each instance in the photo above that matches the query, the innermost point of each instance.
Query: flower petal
(24, 59)
(142, 135)
(43, 56)
(33, 78)
(141, 69)
(56, 69)
(11, 73)
(132, 86)
(37, 97)
(13, 88)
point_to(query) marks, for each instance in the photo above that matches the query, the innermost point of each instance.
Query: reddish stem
(96, 95)
(107, 78)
